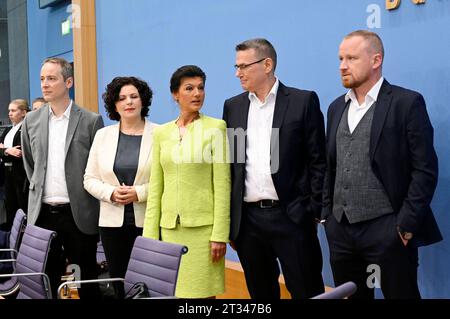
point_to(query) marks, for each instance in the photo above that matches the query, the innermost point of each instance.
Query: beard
(349, 82)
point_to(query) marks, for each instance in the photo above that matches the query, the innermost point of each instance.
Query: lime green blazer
(190, 179)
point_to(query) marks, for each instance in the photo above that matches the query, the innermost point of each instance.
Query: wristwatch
(405, 235)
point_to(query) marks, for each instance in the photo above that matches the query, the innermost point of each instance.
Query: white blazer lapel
(145, 151)
(110, 147)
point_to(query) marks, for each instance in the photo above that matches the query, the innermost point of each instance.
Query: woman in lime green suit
(189, 190)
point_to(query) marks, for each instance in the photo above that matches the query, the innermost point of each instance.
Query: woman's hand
(14, 151)
(218, 250)
(124, 195)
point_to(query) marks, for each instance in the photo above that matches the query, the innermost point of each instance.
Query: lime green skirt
(198, 277)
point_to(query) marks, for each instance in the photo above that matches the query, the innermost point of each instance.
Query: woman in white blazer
(118, 171)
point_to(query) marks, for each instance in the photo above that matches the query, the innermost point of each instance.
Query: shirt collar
(66, 112)
(272, 93)
(371, 95)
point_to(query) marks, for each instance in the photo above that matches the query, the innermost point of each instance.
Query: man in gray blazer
(56, 140)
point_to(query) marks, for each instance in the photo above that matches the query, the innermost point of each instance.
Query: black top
(125, 167)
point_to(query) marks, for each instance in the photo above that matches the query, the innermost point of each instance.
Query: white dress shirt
(55, 186)
(258, 179)
(356, 111)
(9, 138)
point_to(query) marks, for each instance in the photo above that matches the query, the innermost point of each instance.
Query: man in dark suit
(277, 143)
(381, 175)
(56, 140)
(16, 186)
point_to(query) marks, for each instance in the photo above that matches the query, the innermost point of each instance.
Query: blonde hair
(21, 104)
(371, 37)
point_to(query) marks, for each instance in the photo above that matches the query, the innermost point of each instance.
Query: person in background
(56, 140)
(16, 183)
(381, 175)
(37, 103)
(189, 193)
(277, 177)
(118, 171)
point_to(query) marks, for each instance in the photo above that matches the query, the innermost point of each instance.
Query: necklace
(135, 130)
(183, 128)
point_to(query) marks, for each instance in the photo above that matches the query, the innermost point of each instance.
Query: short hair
(186, 71)
(263, 48)
(372, 38)
(66, 67)
(21, 104)
(39, 99)
(112, 92)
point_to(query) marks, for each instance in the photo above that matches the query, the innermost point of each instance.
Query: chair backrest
(340, 292)
(10, 285)
(32, 258)
(17, 230)
(155, 263)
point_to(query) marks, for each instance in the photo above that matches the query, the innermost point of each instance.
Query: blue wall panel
(45, 39)
(150, 39)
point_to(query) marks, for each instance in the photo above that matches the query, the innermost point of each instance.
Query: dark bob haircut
(186, 71)
(111, 95)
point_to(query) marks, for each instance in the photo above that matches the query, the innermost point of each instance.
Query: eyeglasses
(243, 66)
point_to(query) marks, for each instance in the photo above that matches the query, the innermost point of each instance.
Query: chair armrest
(90, 281)
(8, 249)
(7, 260)
(30, 274)
(12, 251)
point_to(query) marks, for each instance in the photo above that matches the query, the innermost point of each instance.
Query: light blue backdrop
(150, 39)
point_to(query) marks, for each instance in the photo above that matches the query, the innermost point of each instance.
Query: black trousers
(16, 194)
(118, 243)
(267, 236)
(71, 246)
(372, 249)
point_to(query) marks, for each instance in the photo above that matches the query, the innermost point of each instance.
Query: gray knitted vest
(357, 192)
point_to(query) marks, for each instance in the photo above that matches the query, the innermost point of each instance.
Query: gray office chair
(153, 266)
(30, 263)
(9, 285)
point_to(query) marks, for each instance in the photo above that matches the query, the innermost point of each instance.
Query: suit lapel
(73, 123)
(243, 118)
(44, 116)
(145, 150)
(281, 105)
(16, 139)
(382, 107)
(334, 124)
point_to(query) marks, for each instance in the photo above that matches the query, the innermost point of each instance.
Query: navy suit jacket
(402, 157)
(300, 142)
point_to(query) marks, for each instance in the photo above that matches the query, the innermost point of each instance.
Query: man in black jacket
(381, 175)
(278, 162)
